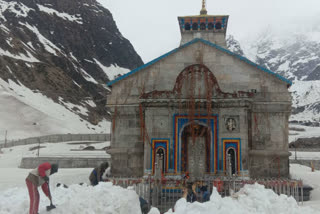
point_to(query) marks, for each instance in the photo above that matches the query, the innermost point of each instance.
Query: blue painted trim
(218, 168)
(207, 43)
(222, 139)
(212, 121)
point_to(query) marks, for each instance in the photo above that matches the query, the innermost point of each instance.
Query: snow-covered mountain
(295, 56)
(55, 59)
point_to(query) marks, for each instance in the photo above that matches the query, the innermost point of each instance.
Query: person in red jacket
(39, 177)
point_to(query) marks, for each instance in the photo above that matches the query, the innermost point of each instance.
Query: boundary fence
(163, 193)
(56, 138)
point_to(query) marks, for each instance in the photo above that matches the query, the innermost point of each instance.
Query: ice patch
(75, 108)
(113, 71)
(19, 9)
(28, 58)
(91, 103)
(73, 57)
(48, 45)
(65, 16)
(87, 76)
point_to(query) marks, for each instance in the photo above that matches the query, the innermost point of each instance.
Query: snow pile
(309, 178)
(113, 71)
(250, 199)
(104, 198)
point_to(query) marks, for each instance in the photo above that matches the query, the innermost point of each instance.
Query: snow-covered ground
(11, 157)
(305, 155)
(11, 176)
(308, 132)
(105, 198)
(25, 113)
(310, 178)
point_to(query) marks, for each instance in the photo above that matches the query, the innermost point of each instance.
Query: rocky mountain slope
(296, 57)
(62, 50)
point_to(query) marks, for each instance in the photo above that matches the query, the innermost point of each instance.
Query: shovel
(51, 206)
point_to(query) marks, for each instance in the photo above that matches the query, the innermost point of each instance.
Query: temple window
(210, 26)
(218, 26)
(187, 26)
(195, 26)
(203, 26)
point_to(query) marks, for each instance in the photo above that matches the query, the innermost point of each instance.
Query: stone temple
(201, 107)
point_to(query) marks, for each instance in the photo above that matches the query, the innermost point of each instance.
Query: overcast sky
(152, 26)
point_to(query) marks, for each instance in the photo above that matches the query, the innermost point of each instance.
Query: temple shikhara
(202, 108)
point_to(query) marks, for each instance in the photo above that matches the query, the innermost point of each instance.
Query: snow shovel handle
(50, 196)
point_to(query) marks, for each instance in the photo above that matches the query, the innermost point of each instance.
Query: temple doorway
(195, 154)
(161, 154)
(232, 154)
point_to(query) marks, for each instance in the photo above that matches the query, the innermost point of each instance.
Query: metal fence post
(149, 192)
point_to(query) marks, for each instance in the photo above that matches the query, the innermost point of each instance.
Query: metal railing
(163, 193)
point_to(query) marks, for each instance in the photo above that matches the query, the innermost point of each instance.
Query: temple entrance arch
(161, 154)
(233, 160)
(195, 149)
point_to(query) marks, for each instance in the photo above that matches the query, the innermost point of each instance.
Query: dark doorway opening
(218, 26)
(187, 26)
(232, 156)
(161, 153)
(195, 26)
(203, 26)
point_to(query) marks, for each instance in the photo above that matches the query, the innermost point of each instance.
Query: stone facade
(242, 109)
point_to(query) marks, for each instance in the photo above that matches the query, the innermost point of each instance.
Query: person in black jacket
(189, 192)
(96, 174)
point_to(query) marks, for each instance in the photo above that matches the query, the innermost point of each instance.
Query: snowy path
(11, 176)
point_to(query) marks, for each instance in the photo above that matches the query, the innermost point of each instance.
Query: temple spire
(203, 10)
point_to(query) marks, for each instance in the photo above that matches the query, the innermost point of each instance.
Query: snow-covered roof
(207, 43)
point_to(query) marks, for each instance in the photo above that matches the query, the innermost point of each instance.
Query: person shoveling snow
(40, 177)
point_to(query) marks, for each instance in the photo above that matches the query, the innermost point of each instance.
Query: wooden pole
(5, 139)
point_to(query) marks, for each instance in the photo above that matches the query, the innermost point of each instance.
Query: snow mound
(103, 198)
(250, 199)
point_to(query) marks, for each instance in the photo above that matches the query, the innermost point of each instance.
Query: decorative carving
(193, 78)
(231, 124)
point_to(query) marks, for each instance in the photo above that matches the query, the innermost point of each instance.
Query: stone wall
(127, 152)
(64, 162)
(262, 118)
(57, 139)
